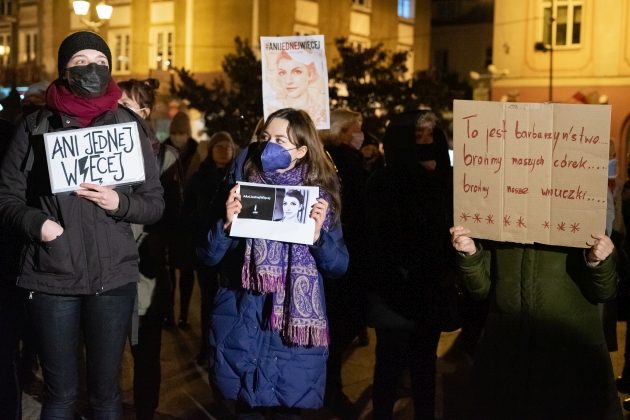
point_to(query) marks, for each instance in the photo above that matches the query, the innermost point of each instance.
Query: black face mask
(425, 152)
(88, 81)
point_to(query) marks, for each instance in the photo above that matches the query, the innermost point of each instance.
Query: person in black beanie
(79, 261)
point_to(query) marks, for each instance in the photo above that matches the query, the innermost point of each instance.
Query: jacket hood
(399, 142)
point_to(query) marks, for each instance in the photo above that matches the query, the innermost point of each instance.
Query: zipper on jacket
(25, 249)
(100, 262)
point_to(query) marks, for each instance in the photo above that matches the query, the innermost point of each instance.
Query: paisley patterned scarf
(289, 272)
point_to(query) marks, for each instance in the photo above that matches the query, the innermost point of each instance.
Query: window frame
(28, 39)
(411, 4)
(5, 42)
(120, 67)
(569, 24)
(154, 47)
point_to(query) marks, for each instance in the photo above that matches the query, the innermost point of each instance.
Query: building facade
(571, 51)
(461, 36)
(147, 37)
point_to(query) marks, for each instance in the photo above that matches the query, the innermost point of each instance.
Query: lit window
(5, 47)
(27, 48)
(120, 43)
(565, 29)
(161, 52)
(405, 9)
(6, 7)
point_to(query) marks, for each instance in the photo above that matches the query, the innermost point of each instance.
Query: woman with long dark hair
(269, 330)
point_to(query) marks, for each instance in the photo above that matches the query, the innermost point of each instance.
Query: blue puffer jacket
(248, 361)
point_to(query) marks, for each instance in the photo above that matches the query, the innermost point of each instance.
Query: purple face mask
(275, 157)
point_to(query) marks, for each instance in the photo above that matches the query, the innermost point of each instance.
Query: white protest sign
(104, 155)
(528, 172)
(276, 212)
(295, 75)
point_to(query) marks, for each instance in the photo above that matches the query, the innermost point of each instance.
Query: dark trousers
(208, 286)
(345, 320)
(11, 309)
(146, 365)
(397, 350)
(186, 283)
(58, 321)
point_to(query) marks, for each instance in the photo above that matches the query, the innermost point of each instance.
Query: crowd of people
(83, 273)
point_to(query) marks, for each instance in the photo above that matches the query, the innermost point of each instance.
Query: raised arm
(472, 263)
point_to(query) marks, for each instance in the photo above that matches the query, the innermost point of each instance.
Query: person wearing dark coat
(180, 247)
(198, 196)
(12, 311)
(344, 296)
(269, 331)
(543, 352)
(154, 289)
(409, 210)
(79, 262)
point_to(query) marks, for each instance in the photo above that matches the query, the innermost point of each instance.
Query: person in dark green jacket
(542, 354)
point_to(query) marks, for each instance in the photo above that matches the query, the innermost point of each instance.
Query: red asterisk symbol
(521, 222)
(575, 227)
(490, 219)
(561, 226)
(464, 216)
(546, 225)
(477, 218)
(506, 220)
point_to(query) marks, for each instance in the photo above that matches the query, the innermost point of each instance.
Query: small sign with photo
(276, 212)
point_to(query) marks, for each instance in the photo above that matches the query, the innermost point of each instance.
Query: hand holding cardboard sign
(233, 207)
(104, 197)
(318, 213)
(461, 241)
(600, 249)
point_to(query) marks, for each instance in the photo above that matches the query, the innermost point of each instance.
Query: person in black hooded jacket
(409, 209)
(79, 262)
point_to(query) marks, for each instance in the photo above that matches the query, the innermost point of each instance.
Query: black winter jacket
(97, 251)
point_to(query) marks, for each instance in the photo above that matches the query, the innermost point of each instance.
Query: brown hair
(141, 91)
(321, 171)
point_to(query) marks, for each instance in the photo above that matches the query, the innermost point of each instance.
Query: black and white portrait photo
(291, 205)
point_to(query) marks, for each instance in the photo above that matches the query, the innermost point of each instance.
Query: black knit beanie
(83, 40)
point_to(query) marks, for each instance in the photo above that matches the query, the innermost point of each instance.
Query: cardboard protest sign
(276, 212)
(105, 155)
(295, 75)
(527, 172)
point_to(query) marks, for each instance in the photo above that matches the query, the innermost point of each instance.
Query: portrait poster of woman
(276, 212)
(295, 75)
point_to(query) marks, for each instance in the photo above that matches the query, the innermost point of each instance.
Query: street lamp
(103, 12)
(542, 47)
